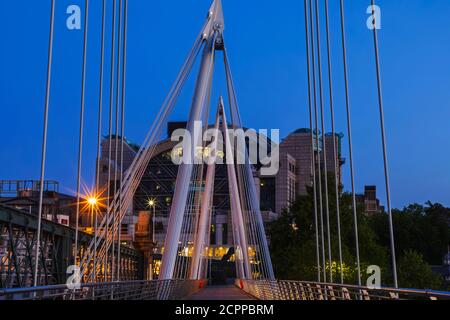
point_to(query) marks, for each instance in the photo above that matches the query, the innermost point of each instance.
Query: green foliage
(425, 230)
(293, 242)
(414, 272)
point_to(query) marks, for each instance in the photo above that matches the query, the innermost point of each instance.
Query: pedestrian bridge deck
(221, 293)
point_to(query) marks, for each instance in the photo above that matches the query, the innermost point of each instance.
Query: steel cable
(80, 143)
(384, 144)
(324, 151)
(335, 153)
(44, 139)
(350, 141)
(317, 141)
(313, 161)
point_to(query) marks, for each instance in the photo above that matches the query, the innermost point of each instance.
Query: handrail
(305, 290)
(180, 289)
(386, 289)
(123, 290)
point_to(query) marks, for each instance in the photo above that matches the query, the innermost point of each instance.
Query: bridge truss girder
(17, 251)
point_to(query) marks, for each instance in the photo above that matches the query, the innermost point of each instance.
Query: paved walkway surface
(221, 293)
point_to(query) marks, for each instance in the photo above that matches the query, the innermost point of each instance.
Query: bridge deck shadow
(229, 292)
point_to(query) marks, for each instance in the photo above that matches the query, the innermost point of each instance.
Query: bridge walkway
(228, 292)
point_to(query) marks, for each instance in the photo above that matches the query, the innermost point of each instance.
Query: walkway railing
(296, 290)
(129, 290)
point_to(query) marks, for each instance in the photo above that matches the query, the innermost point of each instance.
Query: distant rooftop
(133, 145)
(307, 130)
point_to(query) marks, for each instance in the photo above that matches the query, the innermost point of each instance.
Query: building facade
(369, 201)
(24, 195)
(295, 173)
(153, 198)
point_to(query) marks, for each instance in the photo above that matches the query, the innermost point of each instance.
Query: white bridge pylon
(247, 223)
(204, 222)
(189, 222)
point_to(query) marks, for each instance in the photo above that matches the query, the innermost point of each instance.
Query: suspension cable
(350, 141)
(198, 260)
(137, 168)
(333, 133)
(197, 196)
(80, 146)
(251, 213)
(324, 152)
(317, 140)
(248, 212)
(313, 162)
(116, 138)
(383, 137)
(252, 191)
(44, 140)
(244, 201)
(124, 69)
(110, 125)
(99, 128)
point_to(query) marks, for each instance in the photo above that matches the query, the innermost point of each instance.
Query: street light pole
(92, 203)
(92, 217)
(153, 223)
(152, 204)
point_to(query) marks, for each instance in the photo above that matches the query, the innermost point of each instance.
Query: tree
(414, 272)
(422, 235)
(293, 241)
(425, 230)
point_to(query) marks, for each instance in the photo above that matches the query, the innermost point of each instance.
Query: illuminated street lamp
(152, 203)
(92, 203)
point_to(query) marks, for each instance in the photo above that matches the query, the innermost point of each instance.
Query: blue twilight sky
(266, 44)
